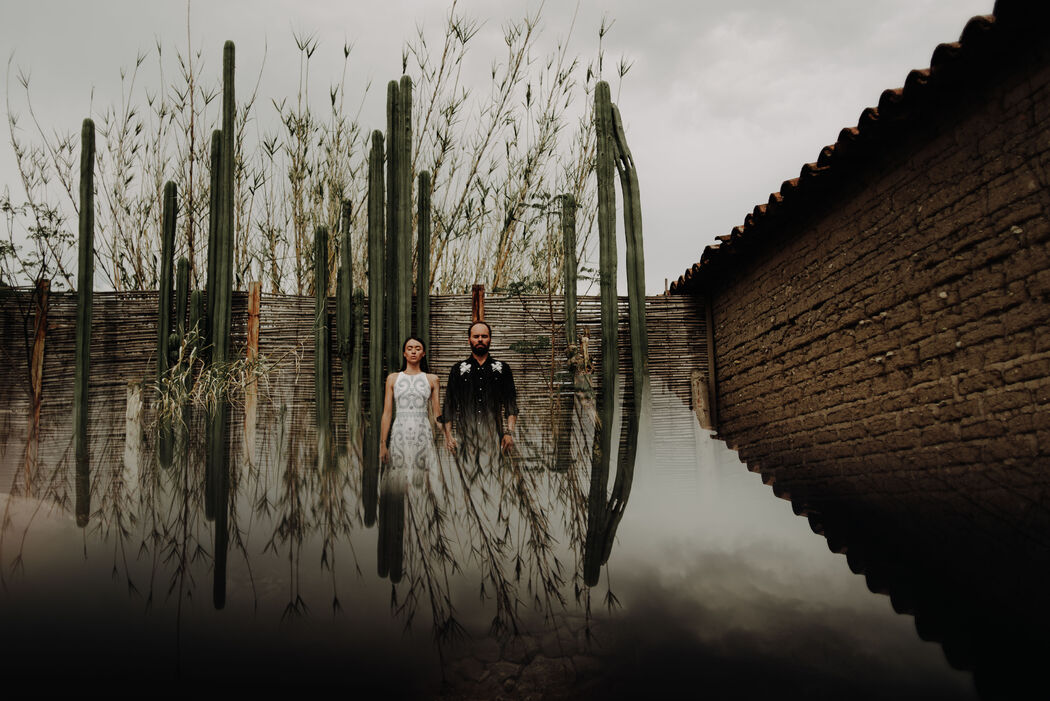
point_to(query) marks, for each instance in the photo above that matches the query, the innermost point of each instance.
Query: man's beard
(480, 348)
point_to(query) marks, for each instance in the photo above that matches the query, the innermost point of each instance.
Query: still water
(713, 586)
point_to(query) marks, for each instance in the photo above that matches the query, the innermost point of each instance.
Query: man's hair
(483, 323)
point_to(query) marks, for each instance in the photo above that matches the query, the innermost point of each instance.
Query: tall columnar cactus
(182, 294)
(567, 406)
(220, 306)
(393, 220)
(322, 356)
(607, 286)
(632, 224)
(354, 410)
(182, 299)
(423, 259)
(214, 216)
(604, 515)
(606, 263)
(403, 247)
(85, 290)
(347, 326)
(568, 233)
(167, 253)
(376, 287)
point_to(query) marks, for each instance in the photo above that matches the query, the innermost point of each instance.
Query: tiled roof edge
(950, 65)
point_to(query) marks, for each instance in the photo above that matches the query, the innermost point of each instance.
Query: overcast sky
(724, 101)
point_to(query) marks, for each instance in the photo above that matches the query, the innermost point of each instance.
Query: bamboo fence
(528, 334)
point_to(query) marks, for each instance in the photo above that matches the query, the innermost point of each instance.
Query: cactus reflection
(515, 531)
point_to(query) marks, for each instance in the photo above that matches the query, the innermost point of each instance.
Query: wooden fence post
(477, 304)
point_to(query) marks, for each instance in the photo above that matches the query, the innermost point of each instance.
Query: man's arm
(509, 400)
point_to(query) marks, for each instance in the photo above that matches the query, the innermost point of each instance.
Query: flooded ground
(466, 589)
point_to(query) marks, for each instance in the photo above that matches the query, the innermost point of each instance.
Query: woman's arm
(435, 387)
(388, 411)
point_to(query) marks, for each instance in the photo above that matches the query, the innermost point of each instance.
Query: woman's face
(414, 351)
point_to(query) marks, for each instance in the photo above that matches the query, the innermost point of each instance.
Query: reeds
(498, 155)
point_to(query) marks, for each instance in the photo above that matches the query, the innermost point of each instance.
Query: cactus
(344, 286)
(219, 299)
(322, 356)
(393, 220)
(423, 260)
(357, 350)
(348, 326)
(632, 224)
(563, 426)
(403, 247)
(604, 514)
(376, 287)
(85, 291)
(606, 399)
(167, 251)
(182, 293)
(214, 213)
(568, 232)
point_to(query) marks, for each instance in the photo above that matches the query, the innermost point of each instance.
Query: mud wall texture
(890, 345)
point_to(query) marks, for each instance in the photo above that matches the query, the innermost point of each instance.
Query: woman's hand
(450, 443)
(384, 454)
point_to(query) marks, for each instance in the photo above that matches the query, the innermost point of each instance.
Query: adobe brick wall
(891, 350)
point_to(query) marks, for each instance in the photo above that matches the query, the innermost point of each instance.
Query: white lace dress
(412, 453)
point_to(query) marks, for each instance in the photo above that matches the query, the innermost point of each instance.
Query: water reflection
(706, 579)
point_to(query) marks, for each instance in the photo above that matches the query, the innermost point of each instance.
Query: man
(479, 392)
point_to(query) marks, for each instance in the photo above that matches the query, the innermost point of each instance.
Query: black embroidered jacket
(477, 392)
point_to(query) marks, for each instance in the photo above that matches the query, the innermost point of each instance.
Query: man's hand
(506, 443)
(450, 443)
(384, 454)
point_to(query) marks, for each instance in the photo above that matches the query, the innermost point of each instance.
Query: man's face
(479, 339)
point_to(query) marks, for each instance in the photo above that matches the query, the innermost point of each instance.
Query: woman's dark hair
(423, 365)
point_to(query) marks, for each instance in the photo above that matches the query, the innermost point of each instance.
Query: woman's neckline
(412, 374)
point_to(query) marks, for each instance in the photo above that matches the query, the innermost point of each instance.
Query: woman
(411, 453)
